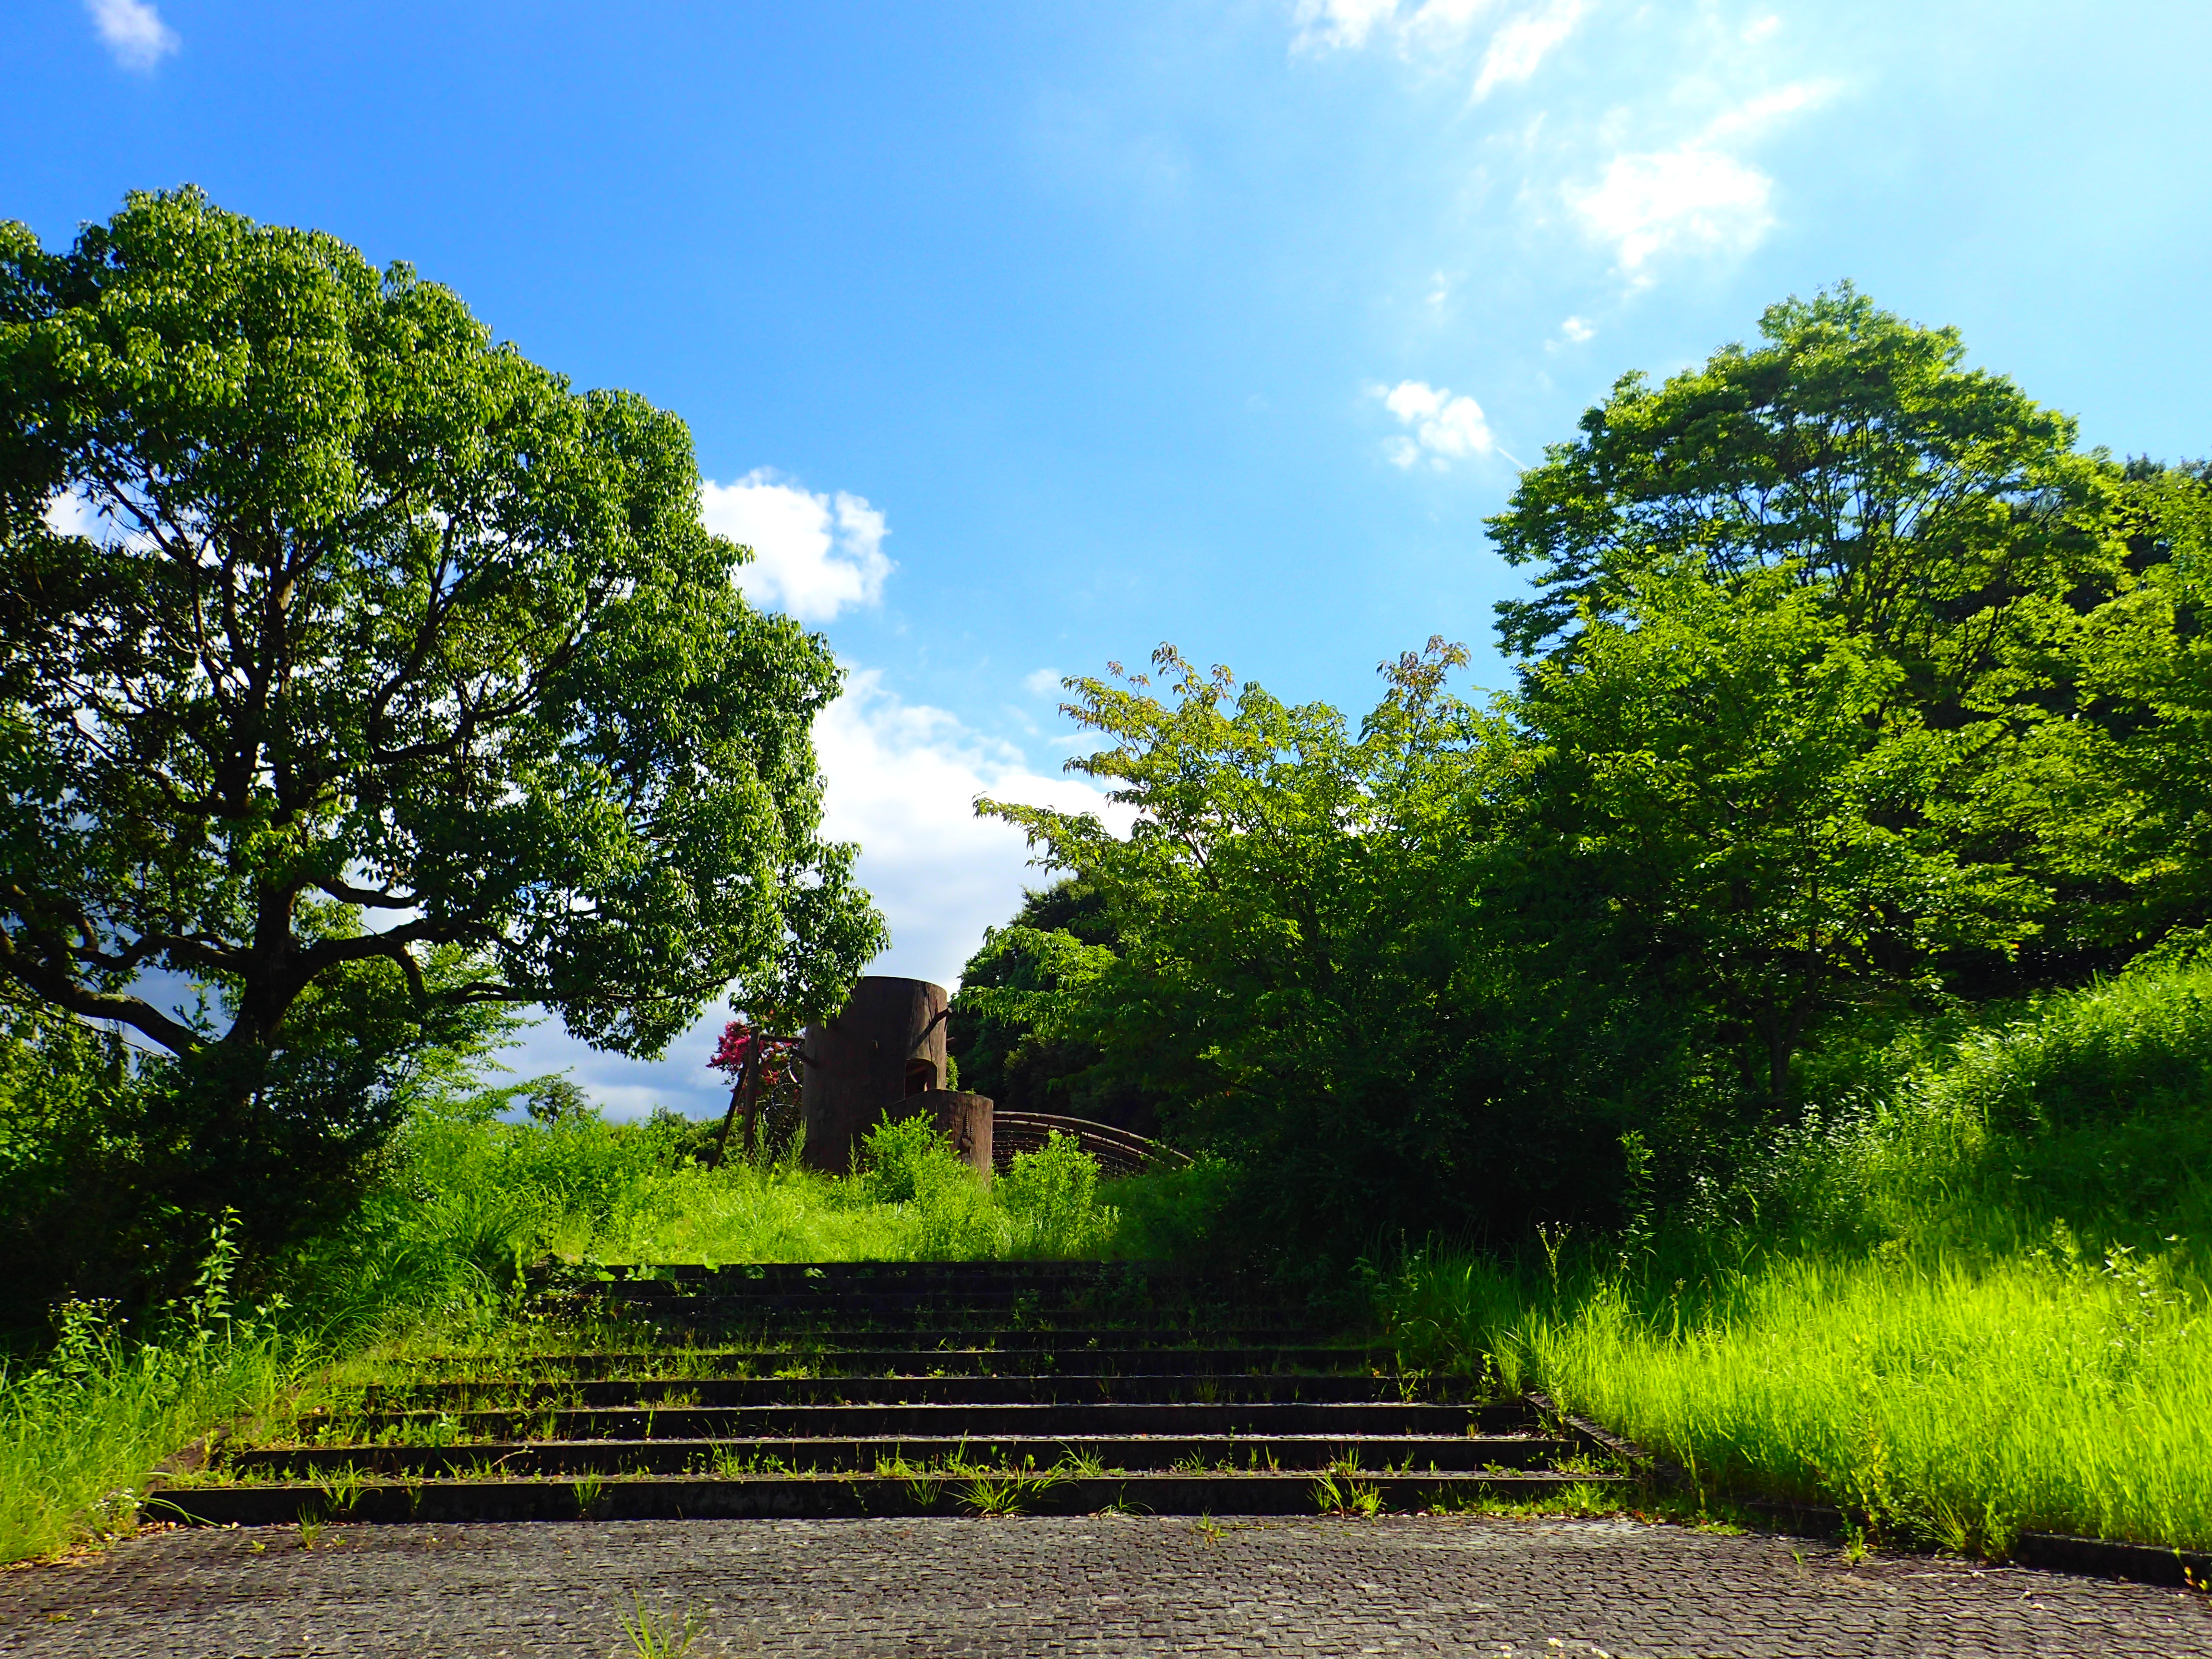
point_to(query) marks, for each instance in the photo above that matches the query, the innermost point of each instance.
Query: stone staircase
(896, 1389)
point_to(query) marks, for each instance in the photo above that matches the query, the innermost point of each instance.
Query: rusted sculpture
(962, 1119)
(886, 1044)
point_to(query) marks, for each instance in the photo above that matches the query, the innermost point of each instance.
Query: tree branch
(64, 993)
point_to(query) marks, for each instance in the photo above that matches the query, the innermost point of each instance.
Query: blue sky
(1022, 338)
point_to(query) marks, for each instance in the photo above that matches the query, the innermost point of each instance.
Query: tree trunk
(740, 1099)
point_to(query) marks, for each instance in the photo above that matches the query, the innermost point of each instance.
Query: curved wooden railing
(1118, 1152)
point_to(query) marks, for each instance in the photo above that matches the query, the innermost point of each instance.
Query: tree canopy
(345, 653)
(1848, 691)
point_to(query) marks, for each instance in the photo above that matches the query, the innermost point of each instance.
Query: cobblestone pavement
(1096, 1584)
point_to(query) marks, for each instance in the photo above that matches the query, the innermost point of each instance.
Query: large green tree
(1329, 963)
(1942, 515)
(1941, 521)
(351, 664)
(1728, 782)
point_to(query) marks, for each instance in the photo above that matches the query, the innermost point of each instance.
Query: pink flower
(740, 1041)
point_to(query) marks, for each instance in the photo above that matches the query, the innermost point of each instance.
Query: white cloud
(1754, 115)
(1044, 681)
(1577, 330)
(69, 514)
(1650, 203)
(903, 780)
(1518, 48)
(132, 32)
(1695, 196)
(1443, 428)
(1438, 25)
(813, 555)
(1437, 31)
(1430, 28)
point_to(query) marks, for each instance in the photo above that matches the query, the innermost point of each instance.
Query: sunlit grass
(78, 1442)
(1976, 1307)
(1955, 1404)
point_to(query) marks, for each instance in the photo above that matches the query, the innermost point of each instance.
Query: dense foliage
(359, 675)
(1852, 694)
(1006, 1057)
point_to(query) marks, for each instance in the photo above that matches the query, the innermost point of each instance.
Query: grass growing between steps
(429, 1265)
(1976, 1303)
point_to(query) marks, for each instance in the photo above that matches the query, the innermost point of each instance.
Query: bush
(1051, 1197)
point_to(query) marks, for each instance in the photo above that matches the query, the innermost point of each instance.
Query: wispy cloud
(1696, 195)
(812, 555)
(1440, 427)
(1519, 47)
(133, 31)
(1437, 32)
(1331, 25)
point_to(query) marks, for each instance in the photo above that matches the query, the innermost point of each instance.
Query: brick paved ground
(1099, 1584)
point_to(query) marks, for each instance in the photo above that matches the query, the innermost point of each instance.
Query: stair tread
(909, 1376)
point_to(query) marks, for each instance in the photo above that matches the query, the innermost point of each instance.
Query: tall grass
(587, 1190)
(1973, 1305)
(1952, 1401)
(81, 1432)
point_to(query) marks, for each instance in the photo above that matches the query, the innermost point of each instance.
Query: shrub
(1051, 1196)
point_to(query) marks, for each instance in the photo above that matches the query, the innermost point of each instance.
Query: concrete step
(1049, 1419)
(969, 1391)
(908, 1308)
(1125, 1360)
(642, 1497)
(828, 1337)
(1115, 1454)
(903, 1301)
(837, 1273)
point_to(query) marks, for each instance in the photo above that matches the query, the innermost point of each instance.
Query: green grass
(1956, 1402)
(586, 1190)
(431, 1266)
(76, 1451)
(1974, 1304)
(81, 1432)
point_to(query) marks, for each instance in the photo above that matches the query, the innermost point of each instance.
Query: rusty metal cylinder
(885, 1044)
(962, 1119)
